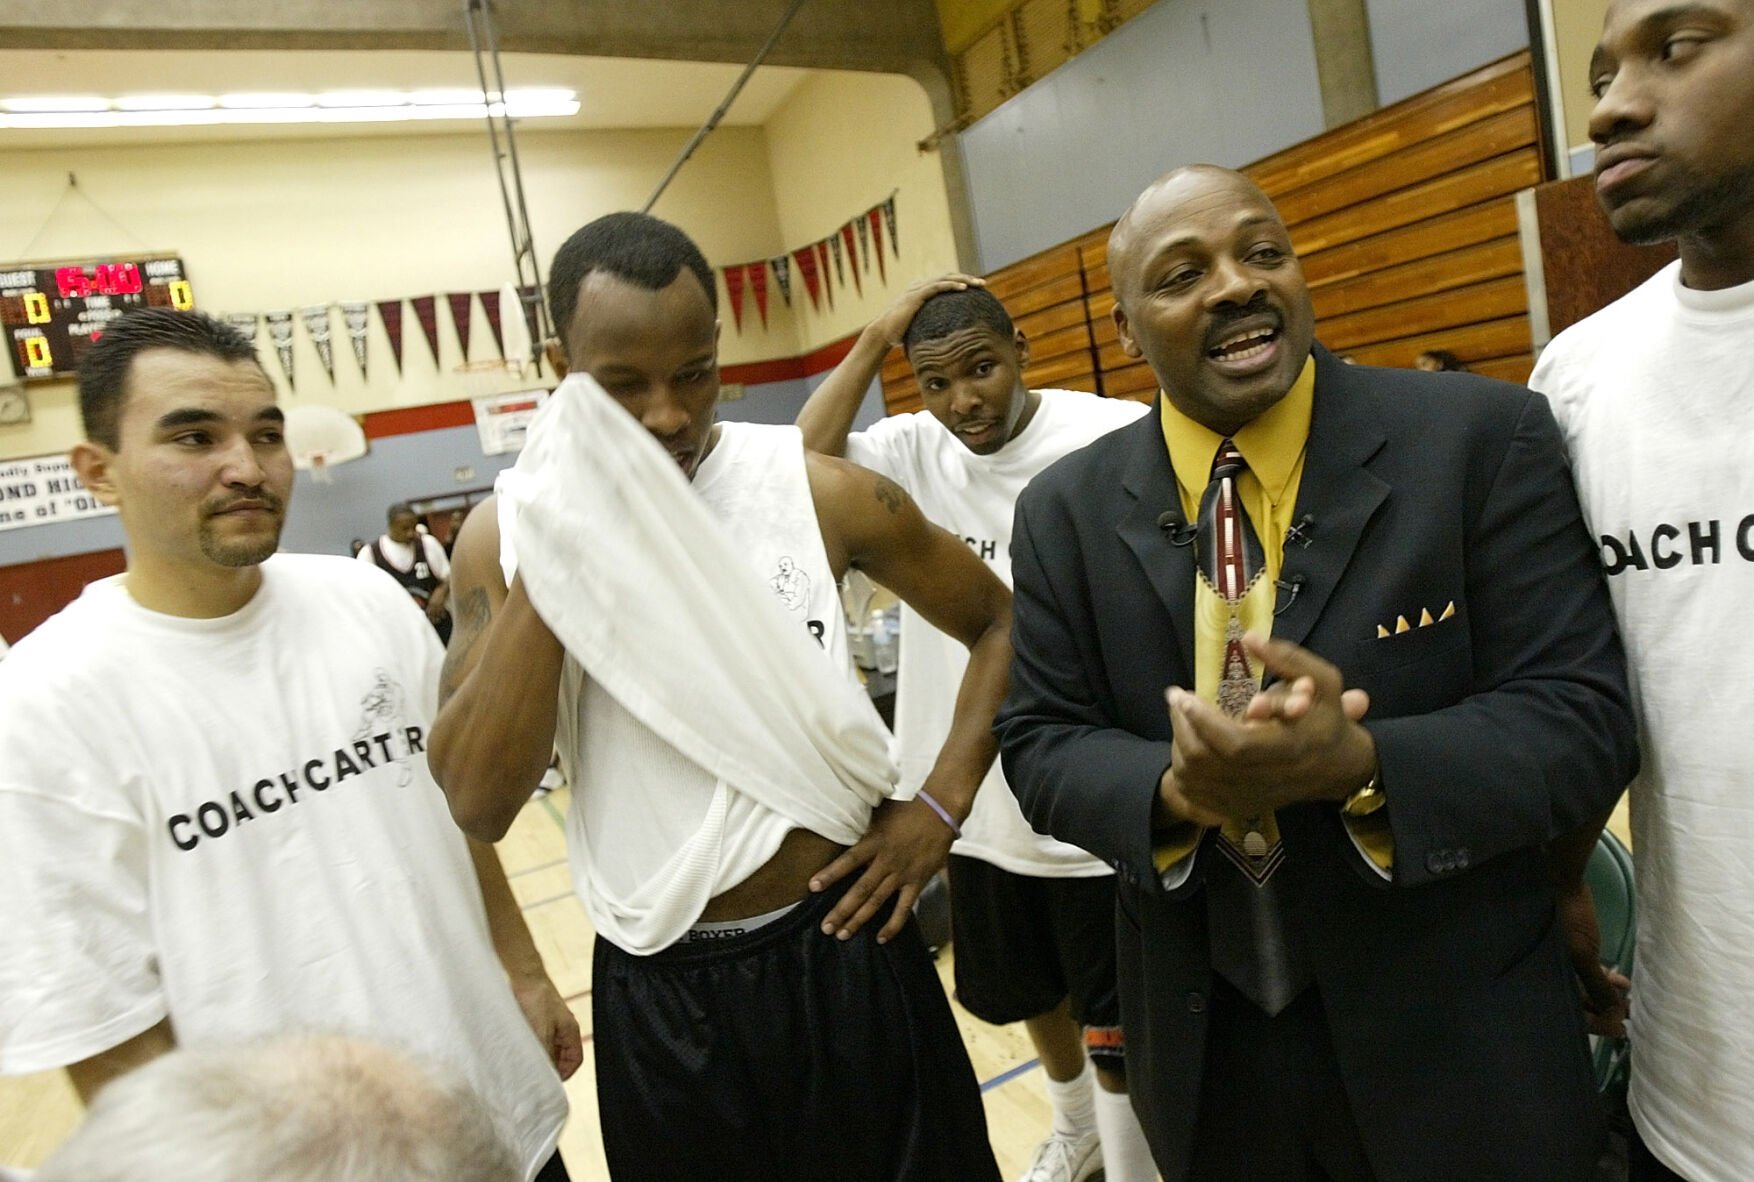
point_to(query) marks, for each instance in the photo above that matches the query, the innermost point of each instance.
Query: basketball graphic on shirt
(381, 711)
(791, 584)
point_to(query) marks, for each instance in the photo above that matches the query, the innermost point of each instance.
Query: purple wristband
(943, 816)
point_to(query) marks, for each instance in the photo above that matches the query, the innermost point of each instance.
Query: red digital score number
(106, 279)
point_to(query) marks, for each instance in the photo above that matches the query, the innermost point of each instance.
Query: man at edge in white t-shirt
(1655, 394)
(1033, 917)
(216, 818)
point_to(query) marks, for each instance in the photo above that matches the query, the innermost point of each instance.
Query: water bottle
(886, 639)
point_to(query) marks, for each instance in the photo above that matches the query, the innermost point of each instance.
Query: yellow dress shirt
(1273, 444)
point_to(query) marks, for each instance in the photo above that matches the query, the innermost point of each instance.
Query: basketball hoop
(483, 379)
(319, 437)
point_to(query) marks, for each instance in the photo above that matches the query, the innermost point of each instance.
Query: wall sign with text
(52, 312)
(42, 491)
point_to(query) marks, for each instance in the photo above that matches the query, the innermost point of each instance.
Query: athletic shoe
(1065, 1159)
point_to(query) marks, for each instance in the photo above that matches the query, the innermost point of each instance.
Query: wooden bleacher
(1406, 224)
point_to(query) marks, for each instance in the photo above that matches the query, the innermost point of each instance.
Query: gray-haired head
(300, 1109)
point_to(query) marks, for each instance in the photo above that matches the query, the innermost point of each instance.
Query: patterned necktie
(1251, 946)
(1231, 563)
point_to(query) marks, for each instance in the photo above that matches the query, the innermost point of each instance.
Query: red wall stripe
(411, 420)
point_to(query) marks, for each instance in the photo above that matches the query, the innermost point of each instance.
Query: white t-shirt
(974, 497)
(401, 555)
(230, 822)
(652, 836)
(1656, 397)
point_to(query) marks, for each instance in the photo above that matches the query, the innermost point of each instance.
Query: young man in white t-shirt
(762, 1004)
(1655, 394)
(415, 559)
(216, 818)
(1033, 917)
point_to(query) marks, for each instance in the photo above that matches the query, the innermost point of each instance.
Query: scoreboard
(52, 312)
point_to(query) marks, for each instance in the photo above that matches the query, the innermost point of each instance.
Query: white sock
(1125, 1155)
(1074, 1107)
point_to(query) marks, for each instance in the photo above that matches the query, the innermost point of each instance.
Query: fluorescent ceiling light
(164, 102)
(456, 96)
(539, 95)
(64, 119)
(57, 102)
(361, 98)
(196, 110)
(254, 101)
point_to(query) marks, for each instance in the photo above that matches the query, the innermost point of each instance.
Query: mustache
(260, 497)
(1225, 320)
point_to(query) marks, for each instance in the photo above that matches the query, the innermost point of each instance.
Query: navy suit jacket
(1448, 991)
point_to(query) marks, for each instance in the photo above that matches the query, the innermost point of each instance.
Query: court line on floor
(534, 869)
(1005, 1077)
(535, 903)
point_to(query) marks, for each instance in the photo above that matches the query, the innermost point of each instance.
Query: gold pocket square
(1383, 631)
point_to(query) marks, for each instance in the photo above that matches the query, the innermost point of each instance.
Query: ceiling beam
(890, 36)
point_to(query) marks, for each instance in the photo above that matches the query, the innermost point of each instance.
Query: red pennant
(846, 236)
(426, 311)
(459, 301)
(875, 216)
(490, 305)
(734, 277)
(822, 263)
(806, 260)
(758, 284)
(390, 312)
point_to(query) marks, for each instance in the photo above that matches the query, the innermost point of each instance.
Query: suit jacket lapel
(1149, 480)
(1337, 493)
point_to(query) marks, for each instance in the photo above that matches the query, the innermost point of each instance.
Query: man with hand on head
(1655, 394)
(1033, 917)
(653, 594)
(216, 818)
(1337, 926)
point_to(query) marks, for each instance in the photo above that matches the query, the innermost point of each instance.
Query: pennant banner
(490, 305)
(734, 276)
(280, 331)
(390, 312)
(244, 322)
(822, 267)
(806, 260)
(758, 284)
(840, 270)
(846, 237)
(356, 315)
(875, 215)
(316, 318)
(459, 302)
(782, 273)
(426, 311)
(889, 218)
(864, 229)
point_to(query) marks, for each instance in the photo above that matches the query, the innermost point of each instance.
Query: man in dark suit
(1339, 951)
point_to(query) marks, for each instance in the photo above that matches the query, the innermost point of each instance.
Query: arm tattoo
(890, 494)
(470, 615)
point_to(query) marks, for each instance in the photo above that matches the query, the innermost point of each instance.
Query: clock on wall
(14, 406)
(52, 312)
